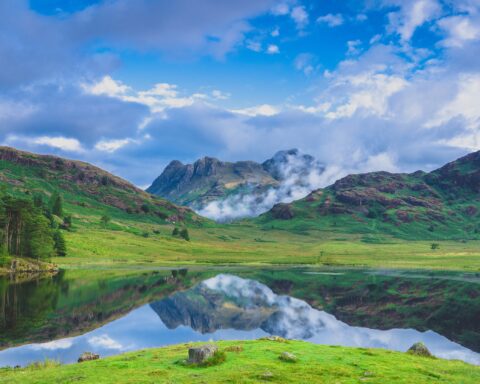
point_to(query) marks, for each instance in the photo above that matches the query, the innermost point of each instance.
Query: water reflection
(228, 307)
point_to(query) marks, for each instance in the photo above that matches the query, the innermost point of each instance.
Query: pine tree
(184, 234)
(60, 244)
(56, 204)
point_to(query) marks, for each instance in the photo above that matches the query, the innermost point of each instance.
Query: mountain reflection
(224, 307)
(230, 302)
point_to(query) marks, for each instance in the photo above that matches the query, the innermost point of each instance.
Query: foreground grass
(255, 361)
(133, 243)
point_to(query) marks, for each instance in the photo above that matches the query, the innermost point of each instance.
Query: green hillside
(443, 204)
(84, 187)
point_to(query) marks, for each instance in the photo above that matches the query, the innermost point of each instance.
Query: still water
(208, 305)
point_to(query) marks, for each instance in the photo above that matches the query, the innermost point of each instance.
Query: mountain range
(442, 204)
(210, 185)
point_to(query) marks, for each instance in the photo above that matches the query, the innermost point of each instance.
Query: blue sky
(132, 84)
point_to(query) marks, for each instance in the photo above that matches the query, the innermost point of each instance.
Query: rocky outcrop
(209, 179)
(419, 349)
(199, 355)
(282, 211)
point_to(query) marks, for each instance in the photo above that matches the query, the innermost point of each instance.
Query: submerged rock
(87, 356)
(198, 355)
(419, 349)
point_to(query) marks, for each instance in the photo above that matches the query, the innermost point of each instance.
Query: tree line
(30, 227)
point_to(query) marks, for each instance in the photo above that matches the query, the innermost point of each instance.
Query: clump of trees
(28, 228)
(182, 233)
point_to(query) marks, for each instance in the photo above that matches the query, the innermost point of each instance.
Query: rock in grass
(289, 357)
(419, 349)
(87, 356)
(274, 338)
(198, 355)
(267, 375)
(234, 348)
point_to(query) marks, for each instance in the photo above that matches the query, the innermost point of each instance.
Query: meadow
(253, 362)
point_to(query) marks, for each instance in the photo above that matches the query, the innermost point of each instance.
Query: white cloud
(219, 95)
(332, 20)
(273, 49)
(281, 9)
(59, 142)
(107, 86)
(412, 14)
(465, 104)
(159, 98)
(304, 62)
(53, 345)
(104, 341)
(459, 30)
(275, 32)
(353, 47)
(112, 145)
(258, 110)
(299, 16)
(254, 46)
(367, 92)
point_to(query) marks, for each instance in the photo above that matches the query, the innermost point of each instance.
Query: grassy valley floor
(130, 243)
(257, 361)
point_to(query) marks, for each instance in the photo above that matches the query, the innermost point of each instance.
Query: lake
(114, 311)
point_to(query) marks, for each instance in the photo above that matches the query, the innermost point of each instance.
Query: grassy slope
(316, 364)
(440, 205)
(284, 242)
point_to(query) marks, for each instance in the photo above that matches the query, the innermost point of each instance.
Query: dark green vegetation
(28, 229)
(443, 204)
(256, 361)
(210, 179)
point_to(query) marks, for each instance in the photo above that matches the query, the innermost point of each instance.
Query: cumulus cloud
(412, 15)
(459, 30)
(105, 342)
(298, 176)
(332, 20)
(300, 16)
(273, 49)
(390, 106)
(53, 345)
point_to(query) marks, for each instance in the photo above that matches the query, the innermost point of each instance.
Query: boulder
(289, 357)
(88, 356)
(198, 355)
(419, 349)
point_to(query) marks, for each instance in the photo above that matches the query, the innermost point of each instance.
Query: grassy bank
(257, 361)
(135, 243)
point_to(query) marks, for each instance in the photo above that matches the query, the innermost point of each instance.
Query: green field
(254, 362)
(125, 243)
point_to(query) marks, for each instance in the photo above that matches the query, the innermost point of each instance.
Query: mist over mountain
(225, 191)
